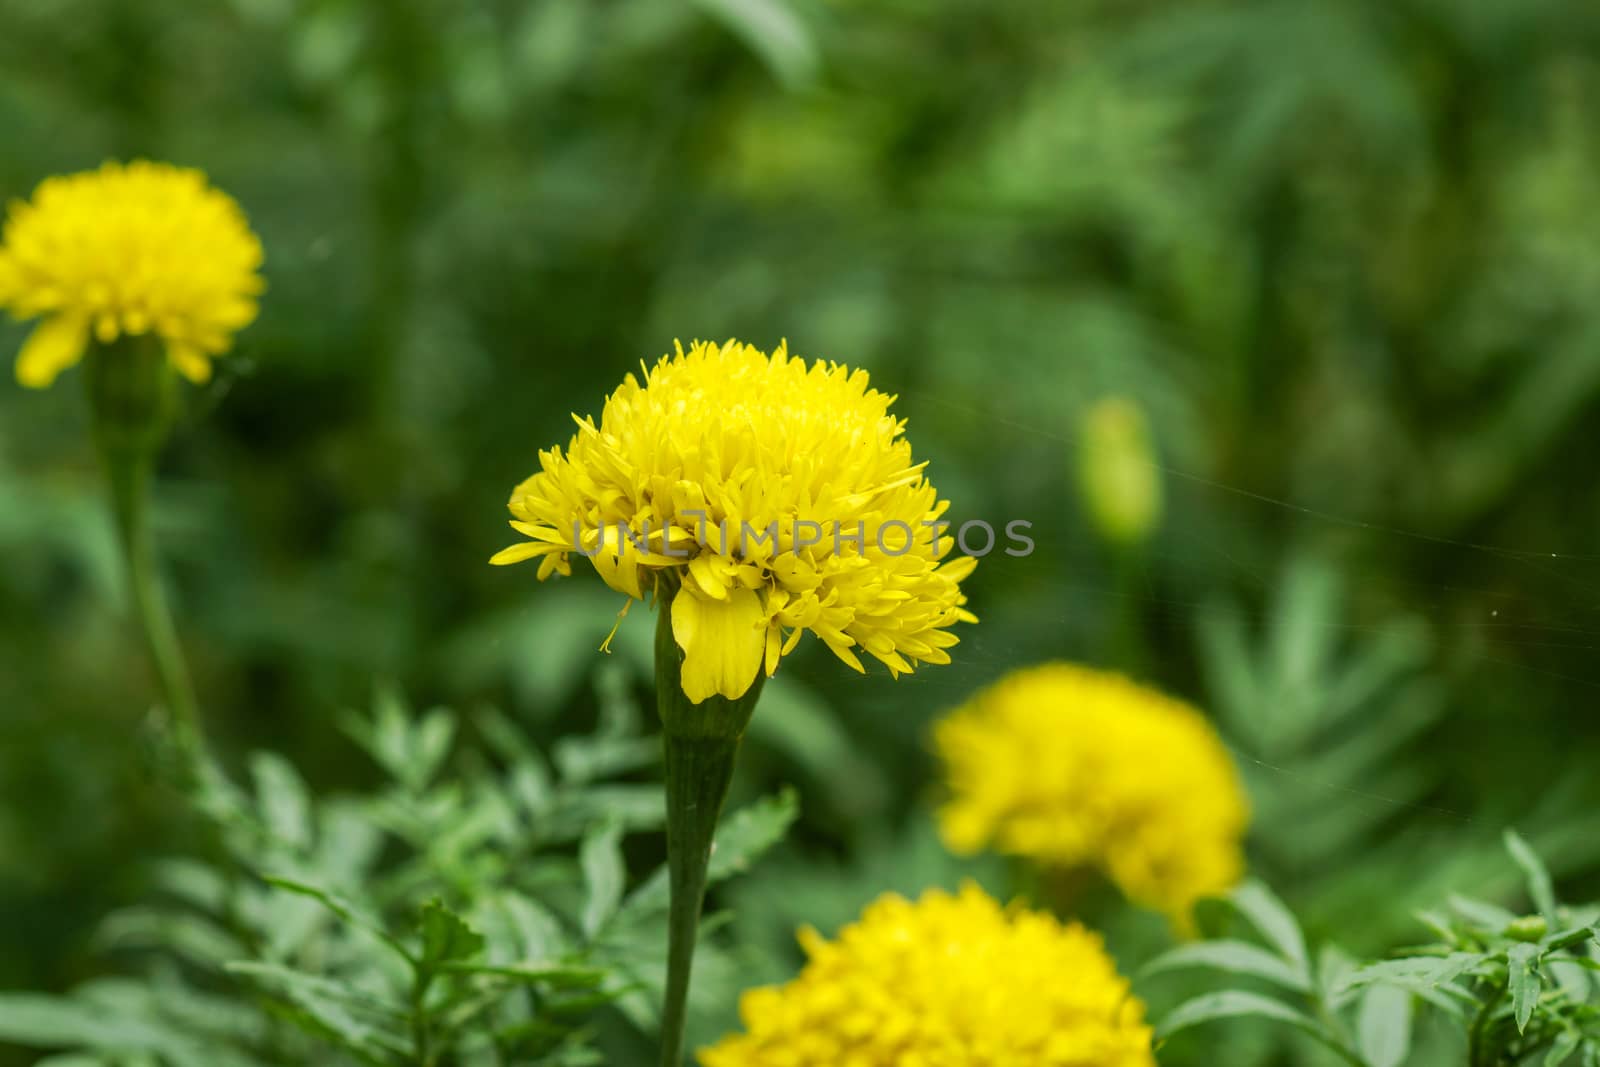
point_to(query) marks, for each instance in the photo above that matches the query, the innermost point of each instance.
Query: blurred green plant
(1517, 989)
(479, 918)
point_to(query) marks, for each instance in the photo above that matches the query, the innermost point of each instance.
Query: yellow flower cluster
(1075, 767)
(775, 496)
(946, 981)
(145, 248)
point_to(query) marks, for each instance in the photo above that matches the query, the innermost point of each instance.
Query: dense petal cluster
(946, 981)
(1074, 767)
(768, 496)
(145, 248)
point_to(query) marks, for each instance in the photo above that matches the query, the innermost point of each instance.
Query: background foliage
(1343, 252)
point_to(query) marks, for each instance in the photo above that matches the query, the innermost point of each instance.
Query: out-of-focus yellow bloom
(947, 981)
(1117, 471)
(1074, 767)
(145, 248)
(773, 495)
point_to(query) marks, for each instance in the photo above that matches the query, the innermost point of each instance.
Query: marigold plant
(1074, 767)
(136, 249)
(781, 496)
(945, 981)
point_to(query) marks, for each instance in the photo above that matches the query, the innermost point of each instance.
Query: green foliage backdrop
(1344, 253)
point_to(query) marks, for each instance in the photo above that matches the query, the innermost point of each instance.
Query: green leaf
(1522, 976)
(1275, 922)
(1569, 938)
(430, 745)
(1481, 913)
(741, 839)
(1414, 972)
(588, 759)
(344, 910)
(751, 831)
(1383, 1026)
(60, 1022)
(316, 987)
(1563, 1047)
(604, 876)
(774, 31)
(282, 798)
(1234, 957)
(560, 974)
(1540, 888)
(446, 937)
(181, 934)
(1234, 1003)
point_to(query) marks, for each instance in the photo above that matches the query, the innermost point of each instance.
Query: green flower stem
(700, 743)
(130, 395)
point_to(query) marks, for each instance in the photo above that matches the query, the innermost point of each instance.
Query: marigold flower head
(775, 496)
(946, 981)
(1074, 767)
(145, 248)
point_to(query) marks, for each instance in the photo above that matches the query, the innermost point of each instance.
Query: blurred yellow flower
(145, 248)
(947, 981)
(1074, 767)
(767, 497)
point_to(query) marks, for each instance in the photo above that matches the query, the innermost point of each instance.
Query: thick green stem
(700, 743)
(130, 388)
(698, 773)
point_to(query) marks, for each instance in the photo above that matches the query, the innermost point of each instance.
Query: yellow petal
(518, 552)
(191, 362)
(723, 641)
(774, 647)
(53, 346)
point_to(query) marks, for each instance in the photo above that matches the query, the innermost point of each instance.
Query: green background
(1344, 253)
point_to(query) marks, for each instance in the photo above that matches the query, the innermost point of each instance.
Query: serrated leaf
(604, 876)
(1233, 957)
(1274, 921)
(1383, 1026)
(1232, 1004)
(1541, 890)
(1522, 977)
(446, 937)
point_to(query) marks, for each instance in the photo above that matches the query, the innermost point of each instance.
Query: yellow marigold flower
(775, 496)
(1074, 767)
(947, 981)
(145, 248)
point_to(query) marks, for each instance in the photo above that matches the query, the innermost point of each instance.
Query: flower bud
(1527, 928)
(1117, 471)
